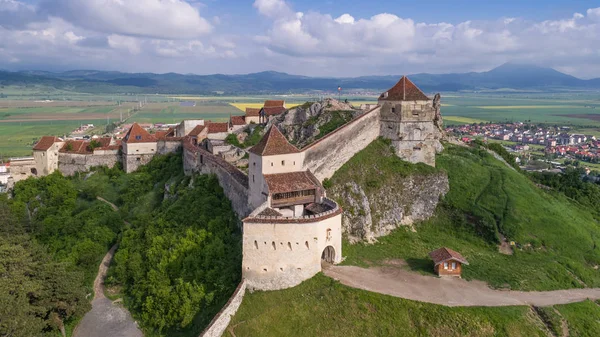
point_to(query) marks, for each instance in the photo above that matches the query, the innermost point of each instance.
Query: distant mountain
(507, 76)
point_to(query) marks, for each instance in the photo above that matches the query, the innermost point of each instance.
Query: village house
(252, 116)
(270, 109)
(139, 147)
(447, 262)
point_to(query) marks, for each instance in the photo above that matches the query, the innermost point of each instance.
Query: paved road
(398, 282)
(106, 319)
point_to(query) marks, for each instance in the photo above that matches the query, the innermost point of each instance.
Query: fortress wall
(70, 163)
(232, 180)
(328, 154)
(168, 146)
(279, 255)
(219, 324)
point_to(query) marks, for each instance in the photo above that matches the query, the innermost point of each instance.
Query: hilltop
(507, 76)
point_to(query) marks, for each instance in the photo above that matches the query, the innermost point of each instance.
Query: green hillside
(556, 239)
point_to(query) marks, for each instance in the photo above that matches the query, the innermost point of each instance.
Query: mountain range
(505, 77)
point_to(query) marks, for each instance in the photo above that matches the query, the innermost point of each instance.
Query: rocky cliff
(311, 121)
(379, 192)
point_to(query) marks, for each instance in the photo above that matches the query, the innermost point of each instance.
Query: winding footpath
(106, 319)
(453, 292)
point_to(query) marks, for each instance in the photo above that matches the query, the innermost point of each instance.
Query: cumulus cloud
(16, 14)
(168, 19)
(388, 41)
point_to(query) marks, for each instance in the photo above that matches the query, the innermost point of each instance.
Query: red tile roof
(273, 103)
(45, 143)
(291, 182)
(269, 212)
(446, 254)
(273, 143)
(196, 131)
(274, 111)
(137, 134)
(218, 127)
(404, 90)
(238, 120)
(251, 112)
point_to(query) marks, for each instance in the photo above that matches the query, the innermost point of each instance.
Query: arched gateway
(328, 254)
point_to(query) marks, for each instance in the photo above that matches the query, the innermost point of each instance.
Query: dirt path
(106, 319)
(452, 292)
(114, 207)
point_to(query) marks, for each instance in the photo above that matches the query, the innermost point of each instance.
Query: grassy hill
(556, 248)
(556, 239)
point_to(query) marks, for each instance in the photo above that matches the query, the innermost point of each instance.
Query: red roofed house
(447, 262)
(406, 119)
(252, 116)
(45, 153)
(217, 131)
(198, 134)
(237, 123)
(139, 146)
(270, 109)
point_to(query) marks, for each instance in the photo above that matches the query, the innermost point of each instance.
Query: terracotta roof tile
(197, 130)
(269, 212)
(290, 182)
(45, 143)
(274, 111)
(404, 90)
(445, 254)
(137, 134)
(273, 143)
(274, 103)
(218, 127)
(238, 120)
(251, 112)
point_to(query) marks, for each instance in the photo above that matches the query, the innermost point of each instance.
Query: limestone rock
(399, 203)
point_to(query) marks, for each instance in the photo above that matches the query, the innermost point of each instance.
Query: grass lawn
(458, 120)
(556, 239)
(583, 318)
(324, 307)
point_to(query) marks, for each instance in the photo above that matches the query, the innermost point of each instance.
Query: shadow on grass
(423, 266)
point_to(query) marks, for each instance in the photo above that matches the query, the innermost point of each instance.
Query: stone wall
(168, 146)
(233, 181)
(132, 162)
(328, 154)
(219, 324)
(70, 163)
(280, 252)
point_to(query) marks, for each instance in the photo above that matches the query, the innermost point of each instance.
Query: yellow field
(492, 107)
(464, 120)
(243, 106)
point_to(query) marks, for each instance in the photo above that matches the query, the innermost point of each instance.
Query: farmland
(26, 115)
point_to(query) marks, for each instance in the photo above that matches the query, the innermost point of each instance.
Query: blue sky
(317, 38)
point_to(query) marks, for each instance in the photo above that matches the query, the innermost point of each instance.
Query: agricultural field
(174, 112)
(564, 109)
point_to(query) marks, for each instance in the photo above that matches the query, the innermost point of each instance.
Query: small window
(138, 137)
(201, 159)
(255, 244)
(274, 245)
(445, 265)
(271, 164)
(453, 265)
(289, 246)
(294, 163)
(306, 244)
(254, 164)
(138, 159)
(393, 109)
(283, 163)
(253, 178)
(415, 113)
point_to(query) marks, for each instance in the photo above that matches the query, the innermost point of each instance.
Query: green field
(563, 109)
(174, 113)
(324, 307)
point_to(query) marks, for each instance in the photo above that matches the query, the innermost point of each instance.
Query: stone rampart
(217, 326)
(71, 163)
(233, 181)
(168, 146)
(328, 154)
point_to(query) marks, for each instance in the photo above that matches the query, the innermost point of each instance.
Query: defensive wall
(172, 145)
(219, 324)
(325, 156)
(281, 252)
(233, 181)
(71, 163)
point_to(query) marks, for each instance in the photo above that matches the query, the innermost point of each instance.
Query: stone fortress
(289, 225)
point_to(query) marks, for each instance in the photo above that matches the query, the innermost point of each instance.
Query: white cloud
(345, 18)
(273, 8)
(168, 19)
